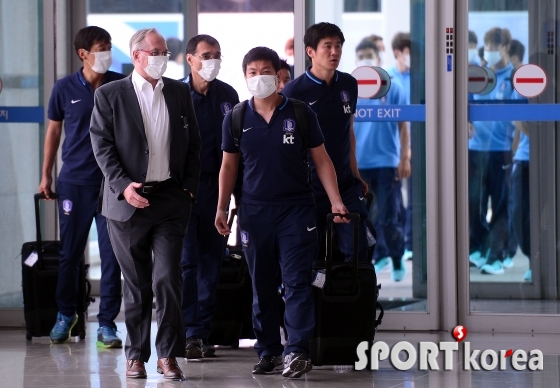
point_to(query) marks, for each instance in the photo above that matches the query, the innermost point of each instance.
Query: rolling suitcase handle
(37, 197)
(355, 218)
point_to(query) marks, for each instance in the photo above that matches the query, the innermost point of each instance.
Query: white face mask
(492, 57)
(103, 61)
(381, 56)
(156, 66)
(210, 69)
(261, 86)
(407, 60)
(472, 54)
(366, 62)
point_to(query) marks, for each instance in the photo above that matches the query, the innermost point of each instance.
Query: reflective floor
(36, 363)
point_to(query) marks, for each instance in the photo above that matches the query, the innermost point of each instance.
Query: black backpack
(302, 126)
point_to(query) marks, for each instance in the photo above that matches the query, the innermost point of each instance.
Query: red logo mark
(508, 353)
(459, 333)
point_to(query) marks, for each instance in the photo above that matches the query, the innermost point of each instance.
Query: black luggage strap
(355, 218)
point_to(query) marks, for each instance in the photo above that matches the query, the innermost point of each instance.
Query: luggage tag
(319, 280)
(31, 259)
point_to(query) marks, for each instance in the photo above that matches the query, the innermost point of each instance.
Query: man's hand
(221, 223)
(340, 208)
(403, 169)
(364, 187)
(45, 186)
(133, 198)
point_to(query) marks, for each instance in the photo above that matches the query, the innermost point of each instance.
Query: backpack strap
(302, 121)
(237, 117)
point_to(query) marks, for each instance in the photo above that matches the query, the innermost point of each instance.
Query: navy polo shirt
(210, 110)
(334, 105)
(72, 102)
(275, 172)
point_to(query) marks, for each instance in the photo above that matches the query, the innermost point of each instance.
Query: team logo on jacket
(67, 206)
(244, 238)
(345, 96)
(225, 107)
(289, 125)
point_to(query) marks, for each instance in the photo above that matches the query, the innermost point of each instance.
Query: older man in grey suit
(146, 141)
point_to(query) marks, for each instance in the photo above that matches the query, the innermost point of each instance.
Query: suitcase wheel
(235, 344)
(82, 335)
(28, 336)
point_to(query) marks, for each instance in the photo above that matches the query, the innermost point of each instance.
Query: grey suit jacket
(121, 148)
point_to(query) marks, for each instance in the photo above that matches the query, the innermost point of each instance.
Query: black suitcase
(233, 318)
(345, 296)
(39, 282)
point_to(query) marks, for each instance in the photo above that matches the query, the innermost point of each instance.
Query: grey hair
(137, 40)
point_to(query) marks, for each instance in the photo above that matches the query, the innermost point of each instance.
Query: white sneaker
(528, 277)
(495, 268)
(477, 259)
(407, 255)
(507, 263)
(382, 264)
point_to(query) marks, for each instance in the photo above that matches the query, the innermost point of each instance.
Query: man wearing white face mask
(203, 246)
(77, 185)
(490, 162)
(146, 141)
(277, 214)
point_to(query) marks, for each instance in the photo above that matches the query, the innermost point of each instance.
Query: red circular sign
(369, 81)
(529, 80)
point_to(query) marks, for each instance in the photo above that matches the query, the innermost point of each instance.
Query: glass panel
(512, 187)
(21, 145)
(122, 19)
(398, 208)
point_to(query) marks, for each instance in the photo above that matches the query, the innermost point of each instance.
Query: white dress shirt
(156, 124)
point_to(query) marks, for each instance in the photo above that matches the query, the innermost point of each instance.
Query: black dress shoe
(135, 369)
(169, 368)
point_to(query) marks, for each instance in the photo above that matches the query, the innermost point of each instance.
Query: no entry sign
(482, 80)
(529, 80)
(369, 81)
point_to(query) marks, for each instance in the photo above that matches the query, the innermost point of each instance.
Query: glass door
(388, 39)
(511, 186)
(21, 128)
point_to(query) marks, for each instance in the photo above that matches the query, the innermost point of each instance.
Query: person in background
(490, 163)
(378, 41)
(203, 246)
(473, 52)
(284, 75)
(383, 160)
(277, 213)
(333, 95)
(516, 54)
(77, 185)
(175, 65)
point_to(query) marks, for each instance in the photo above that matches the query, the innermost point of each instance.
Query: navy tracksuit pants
(285, 238)
(77, 208)
(203, 252)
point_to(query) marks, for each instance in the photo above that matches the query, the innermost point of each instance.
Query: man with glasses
(203, 246)
(77, 186)
(145, 138)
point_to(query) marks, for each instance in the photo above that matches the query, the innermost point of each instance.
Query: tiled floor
(36, 363)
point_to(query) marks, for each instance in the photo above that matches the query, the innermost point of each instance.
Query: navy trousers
(203, 252)
(77, 208)
(387, 206)
(285, 238)
(352, 198)
(519, 202)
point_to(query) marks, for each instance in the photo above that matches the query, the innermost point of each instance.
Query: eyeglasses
(157, 53)
(206, 57)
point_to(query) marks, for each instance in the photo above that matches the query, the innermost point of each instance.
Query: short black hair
(517, 48)
(284, 65)
(261, 54)
(367, 43)
(401, 40)
(88, 36)
(174, 45)
(498, 36)
(472, 37)
(195, 40)
(319, 31)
